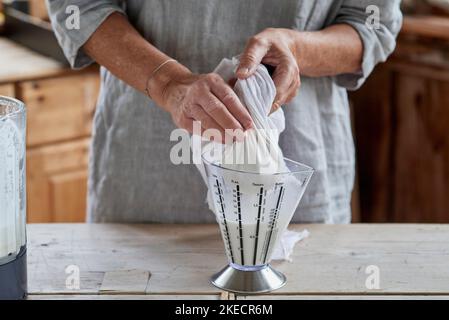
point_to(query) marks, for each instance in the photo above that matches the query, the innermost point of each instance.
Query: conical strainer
(253, 210)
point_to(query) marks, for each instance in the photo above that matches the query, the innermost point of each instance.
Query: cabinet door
(59, 109)
(57, 182)
(68, 194)
(420, 172)
(7, 90)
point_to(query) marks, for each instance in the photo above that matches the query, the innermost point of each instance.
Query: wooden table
(175, 261)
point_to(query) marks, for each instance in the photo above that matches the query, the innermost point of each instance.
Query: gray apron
(131, 176)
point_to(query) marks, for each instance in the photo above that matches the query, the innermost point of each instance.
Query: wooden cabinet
(59, 119)
(60, 106)
(7, 90)
(402, 134)
(56, 181)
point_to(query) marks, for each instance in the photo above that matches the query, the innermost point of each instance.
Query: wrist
(162, 84)
(303, 51)
(297, 43)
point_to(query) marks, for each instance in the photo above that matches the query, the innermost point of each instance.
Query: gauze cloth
(259, 152)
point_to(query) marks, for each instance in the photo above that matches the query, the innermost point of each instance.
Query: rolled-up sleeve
(378, 41)
(92, 13)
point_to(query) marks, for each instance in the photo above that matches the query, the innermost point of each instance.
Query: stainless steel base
(248, 282)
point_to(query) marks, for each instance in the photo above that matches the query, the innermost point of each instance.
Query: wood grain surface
(25, 64)
(173, 261)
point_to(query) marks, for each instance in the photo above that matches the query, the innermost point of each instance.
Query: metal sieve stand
(248, 280)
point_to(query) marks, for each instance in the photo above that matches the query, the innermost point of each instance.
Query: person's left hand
(275, 47)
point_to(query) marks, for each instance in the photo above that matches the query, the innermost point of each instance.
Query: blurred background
(400, 118)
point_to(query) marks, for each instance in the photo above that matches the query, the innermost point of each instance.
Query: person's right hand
(206, 98)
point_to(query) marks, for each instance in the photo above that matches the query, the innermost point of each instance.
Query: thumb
(255, 51)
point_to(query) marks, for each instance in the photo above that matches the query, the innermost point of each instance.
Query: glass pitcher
(13, 276)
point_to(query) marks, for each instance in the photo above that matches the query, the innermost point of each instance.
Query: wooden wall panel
(373, 136)
(402, 138)
(421, 168)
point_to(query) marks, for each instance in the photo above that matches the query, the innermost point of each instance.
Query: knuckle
(250, 58)
(212, 77)
(199, 87)
(212, 107)
(258, 40)
(229, 98)
(194, 111)
(197, 114)
(296, 70)
(295, 67)
(292, 69)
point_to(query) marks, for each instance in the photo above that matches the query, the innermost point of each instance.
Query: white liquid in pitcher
(12, 200)
(257, 250)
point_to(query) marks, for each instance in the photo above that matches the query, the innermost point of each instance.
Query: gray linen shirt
(131, 176)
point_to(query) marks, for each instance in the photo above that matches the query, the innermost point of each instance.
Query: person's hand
(206, 98)
(274, 47)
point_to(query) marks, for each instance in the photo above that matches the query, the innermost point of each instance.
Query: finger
(210, 134)
(207, 123)
(232, 103)
(251, 57)
(293, 92)
(274, 107)
(218, 111)
(293, 89)
(285, 78)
